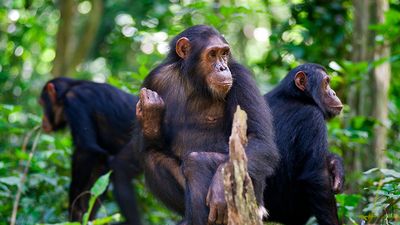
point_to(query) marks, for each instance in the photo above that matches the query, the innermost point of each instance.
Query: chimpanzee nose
(332, 92)
(222, 68)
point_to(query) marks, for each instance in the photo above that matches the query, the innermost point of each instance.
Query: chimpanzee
(193, 94)
(308, 174)
(102, 120)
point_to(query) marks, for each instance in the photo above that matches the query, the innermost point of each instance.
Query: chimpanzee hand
(149, 112)
(216, 200)
(336, 170)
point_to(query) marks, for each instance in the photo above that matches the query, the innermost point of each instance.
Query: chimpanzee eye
(225, 53)
(213, 53)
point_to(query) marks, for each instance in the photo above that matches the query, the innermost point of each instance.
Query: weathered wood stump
(239, 192)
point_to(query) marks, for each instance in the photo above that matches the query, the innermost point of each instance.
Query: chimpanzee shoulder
(245, 93)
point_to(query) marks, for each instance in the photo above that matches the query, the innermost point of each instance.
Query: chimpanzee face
(212, 63)
(331, 102)
(53, 113)
(318, 87)
(215, 60)
(46, 125)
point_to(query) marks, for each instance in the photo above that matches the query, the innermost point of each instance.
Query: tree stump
(239, 192)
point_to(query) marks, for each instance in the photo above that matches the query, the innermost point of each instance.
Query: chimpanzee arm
(262, 152)
(314, 176)
(150, 114)
(81, 124)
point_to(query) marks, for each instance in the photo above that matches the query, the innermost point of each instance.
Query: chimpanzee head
(312, 82)
(203, 56)
(52, 104)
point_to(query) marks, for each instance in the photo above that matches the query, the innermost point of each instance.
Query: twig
(75, 200)
(23, 178)
(81, 195)
(25, 143)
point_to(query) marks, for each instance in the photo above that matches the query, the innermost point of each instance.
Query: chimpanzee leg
(86, 168)
(165, 180)
(124, 170)
(322, 199)
(199, 169)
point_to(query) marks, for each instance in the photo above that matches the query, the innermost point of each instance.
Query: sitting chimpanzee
(193, 95)
(308, 175)
(102, 120)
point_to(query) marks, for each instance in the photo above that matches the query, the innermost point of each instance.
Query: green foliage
(348, 204)
(383, 193)
(98, 188)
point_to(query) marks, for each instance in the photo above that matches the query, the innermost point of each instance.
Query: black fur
(300, 187)
(104, 131)
(187, 97)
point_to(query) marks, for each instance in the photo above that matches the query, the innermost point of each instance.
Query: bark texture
(381, 82)
(239, 192)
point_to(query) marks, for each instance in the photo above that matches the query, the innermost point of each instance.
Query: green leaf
(392, 173)
(371, 171)
(106, 220)
(10, 180)
(101, 184)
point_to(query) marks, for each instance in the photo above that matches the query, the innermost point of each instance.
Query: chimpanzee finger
(160, 101)
(143, 94)
(139, 108)
(337, 185)
(150, 96)
(212, 216)
(155, 98)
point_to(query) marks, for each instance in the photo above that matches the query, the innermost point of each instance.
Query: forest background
(120, 41)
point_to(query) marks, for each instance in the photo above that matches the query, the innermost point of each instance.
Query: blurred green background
(120, 41)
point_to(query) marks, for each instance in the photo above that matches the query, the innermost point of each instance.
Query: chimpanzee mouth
(226, 84)
(336, 109)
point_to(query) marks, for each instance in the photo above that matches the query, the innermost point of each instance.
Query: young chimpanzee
(303, 185)
(102, 120)
(195, 92)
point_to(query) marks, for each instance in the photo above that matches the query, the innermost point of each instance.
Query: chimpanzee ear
(182, 47)
(51, 91)
(300, 79)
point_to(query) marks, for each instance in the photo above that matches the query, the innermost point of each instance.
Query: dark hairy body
(308, 175)
(105, 136)
(192, 96)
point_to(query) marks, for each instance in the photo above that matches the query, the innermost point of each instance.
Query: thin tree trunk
(61, 61)
(239, 192)
(88, 36)
(381, 79)
(370, 96)
(68, 54)
(356, 96)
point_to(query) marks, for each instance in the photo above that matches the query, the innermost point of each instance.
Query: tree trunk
(369, 97)
(88, 36)
(239, 192)
(359, 89)
(61, 61)
(70, 50)
(381, 79)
